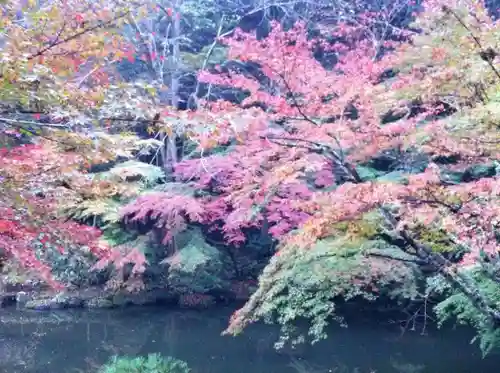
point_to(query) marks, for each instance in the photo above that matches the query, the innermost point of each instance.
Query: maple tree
(52, 49)
(27, 206)
(320, 125)
(55, 62)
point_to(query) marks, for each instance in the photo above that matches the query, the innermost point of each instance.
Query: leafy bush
(153, 363)
(460, 308)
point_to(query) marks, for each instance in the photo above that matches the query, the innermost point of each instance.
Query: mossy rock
(198, 267)
(479, 171)
(59, 301)
(472, 173)
(398, 177)
(368, 173)
(99, 302)
(41, 304)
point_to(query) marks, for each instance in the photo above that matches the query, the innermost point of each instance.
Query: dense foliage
(377, 177)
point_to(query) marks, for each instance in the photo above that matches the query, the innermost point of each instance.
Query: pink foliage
(29, 220)
(169, 212)
(254, 181)
(119, 260)
(475, 225)
(244, 193)
(260, 180)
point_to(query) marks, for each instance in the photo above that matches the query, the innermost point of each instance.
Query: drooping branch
(444, 267)
(319, 148)
(56, 42)
(19, 123)
(487, 54)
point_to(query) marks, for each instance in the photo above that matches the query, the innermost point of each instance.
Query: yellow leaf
(151, 91)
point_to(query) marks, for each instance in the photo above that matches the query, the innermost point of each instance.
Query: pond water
(78, 341)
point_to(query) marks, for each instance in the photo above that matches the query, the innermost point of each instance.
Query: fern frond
(135, 171)
(104, 209)
(127, 145)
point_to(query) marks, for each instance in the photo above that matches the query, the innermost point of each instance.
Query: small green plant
(153, 363)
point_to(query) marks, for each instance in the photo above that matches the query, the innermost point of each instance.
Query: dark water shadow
(79, 341)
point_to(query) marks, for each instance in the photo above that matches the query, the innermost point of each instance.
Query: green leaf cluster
(153, 363)
(457, 307)
(307, 285)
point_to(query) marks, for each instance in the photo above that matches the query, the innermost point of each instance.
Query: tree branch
(445, 268)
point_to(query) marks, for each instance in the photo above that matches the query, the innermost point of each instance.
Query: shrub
(153, 363)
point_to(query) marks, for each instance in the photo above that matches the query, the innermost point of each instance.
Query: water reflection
(76, 341)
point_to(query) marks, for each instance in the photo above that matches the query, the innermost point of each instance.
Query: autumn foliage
(320, 121)
(57, 60)
(291, 159)
(32, 179)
